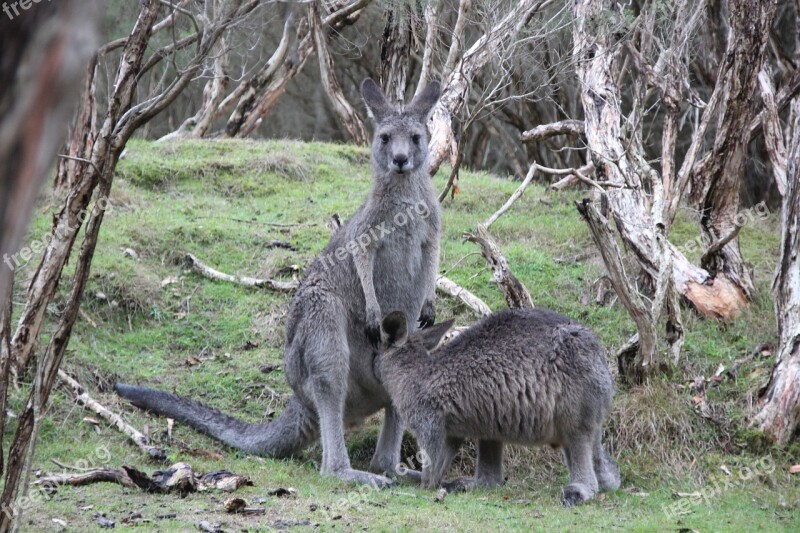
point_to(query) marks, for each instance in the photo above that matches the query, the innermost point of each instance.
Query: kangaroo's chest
(401, 262)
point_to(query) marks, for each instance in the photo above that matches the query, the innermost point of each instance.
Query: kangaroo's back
(534, 373)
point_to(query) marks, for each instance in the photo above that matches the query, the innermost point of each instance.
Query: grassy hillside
(225, 202)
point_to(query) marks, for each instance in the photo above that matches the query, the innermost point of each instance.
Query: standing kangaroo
(384, 258)
(525, 376)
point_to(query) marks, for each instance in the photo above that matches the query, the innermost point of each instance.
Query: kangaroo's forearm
(431, 257)
(364, 261)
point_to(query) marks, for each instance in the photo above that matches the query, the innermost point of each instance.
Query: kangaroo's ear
(394, 329)
(377, 106)
(432, 335)
(423, 103)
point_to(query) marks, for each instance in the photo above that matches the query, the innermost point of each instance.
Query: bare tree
(92, 181)
(641, 202)
(260, 96)
(346, 113)
(43, 52)
(779, 416)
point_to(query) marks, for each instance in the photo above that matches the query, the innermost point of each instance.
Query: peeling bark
(779, 415)
(718, 181)
(457, 82)
(395, 54)
(773, 137)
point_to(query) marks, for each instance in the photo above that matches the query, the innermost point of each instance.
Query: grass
(225, 201)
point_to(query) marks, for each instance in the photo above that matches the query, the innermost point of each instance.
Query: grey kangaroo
(525, 376)
(384, 258)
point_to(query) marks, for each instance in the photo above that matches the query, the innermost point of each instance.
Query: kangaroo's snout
(399, 161)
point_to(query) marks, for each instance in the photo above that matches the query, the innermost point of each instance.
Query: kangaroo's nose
(400, 160)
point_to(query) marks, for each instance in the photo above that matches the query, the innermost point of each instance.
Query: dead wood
(83, 398)
(451, 288)
(206, 271)
(517, 296)
(545, 131)
(97, 475)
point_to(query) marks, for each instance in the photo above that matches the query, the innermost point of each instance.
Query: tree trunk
(35, 106)
(719, 178)
(779, 416)
(44, 50)
(254, 106)
(395, 53)
(456, 82)
(344, 111)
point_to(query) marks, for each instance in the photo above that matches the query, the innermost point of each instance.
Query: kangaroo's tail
(285, 436)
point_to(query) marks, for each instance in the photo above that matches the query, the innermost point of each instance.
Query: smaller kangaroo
(524, 376)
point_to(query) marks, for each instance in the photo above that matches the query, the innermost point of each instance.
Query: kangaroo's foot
(575, 494)
(365, 478)
(461, 484)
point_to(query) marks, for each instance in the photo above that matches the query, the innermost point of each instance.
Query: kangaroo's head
(400, 144)
(398, 347)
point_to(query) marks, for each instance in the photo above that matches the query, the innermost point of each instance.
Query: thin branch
(210, 273)
(520, 190)
(451, 288)
(545, 131)
(114, 419)
(718, 245)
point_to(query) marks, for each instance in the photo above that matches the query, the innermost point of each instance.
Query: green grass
(225, 201)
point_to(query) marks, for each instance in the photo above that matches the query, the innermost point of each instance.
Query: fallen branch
(210, 273)
(565, 183)
(114, 419)
(570, 175)
(451, 288)
(97, 475)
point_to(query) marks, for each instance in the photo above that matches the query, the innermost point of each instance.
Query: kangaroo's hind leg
(490, 464)
(489, 472)
(604, 466)
(327, 357)
(387, 452)
(582, 480)
(439, 451)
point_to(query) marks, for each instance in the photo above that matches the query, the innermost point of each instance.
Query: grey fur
(525, 376)
(333, 325)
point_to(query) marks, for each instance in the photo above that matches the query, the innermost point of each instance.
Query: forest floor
(688, 460)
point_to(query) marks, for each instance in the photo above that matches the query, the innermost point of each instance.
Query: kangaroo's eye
(384, 138)
(415, 138)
